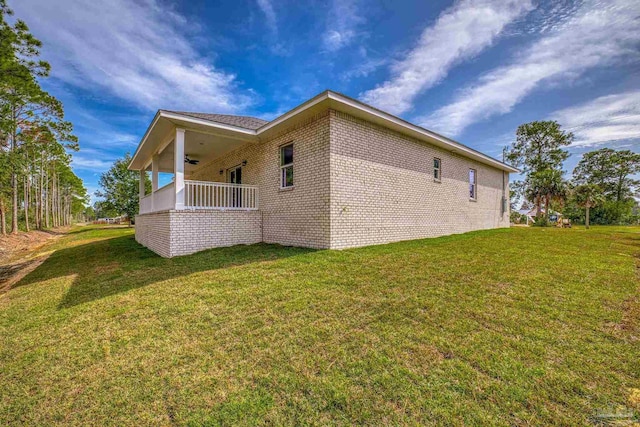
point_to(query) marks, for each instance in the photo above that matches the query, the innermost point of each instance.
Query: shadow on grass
(112, 266)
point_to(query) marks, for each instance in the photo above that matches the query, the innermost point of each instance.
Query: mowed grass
(521, 326)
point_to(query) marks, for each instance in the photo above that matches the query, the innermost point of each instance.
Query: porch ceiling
(203, 141)
(197, 146)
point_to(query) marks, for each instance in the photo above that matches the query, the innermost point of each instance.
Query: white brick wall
(293, 217)
(382, 188)
(355, 184)
(154, 232)
(174, 233)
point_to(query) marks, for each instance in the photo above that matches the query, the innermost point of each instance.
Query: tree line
(38, 188)
(119, 190)
(602, 188)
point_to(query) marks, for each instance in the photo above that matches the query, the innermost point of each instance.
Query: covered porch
(189, 215)
(178, 145)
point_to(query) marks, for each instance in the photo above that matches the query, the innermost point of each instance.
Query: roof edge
(196, 120)
(337, 97)
(176, 116)
(144, 138)
(402, 122)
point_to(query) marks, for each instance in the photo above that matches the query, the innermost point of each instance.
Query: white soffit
(327, 99)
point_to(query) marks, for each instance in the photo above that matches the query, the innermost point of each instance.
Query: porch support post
(178, 168)
(155, 163)
(143, 175)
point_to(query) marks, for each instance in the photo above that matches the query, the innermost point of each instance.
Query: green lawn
(521, 326)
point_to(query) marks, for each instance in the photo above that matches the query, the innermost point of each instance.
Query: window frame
(439, 169)
(284, 167)
(473, 185)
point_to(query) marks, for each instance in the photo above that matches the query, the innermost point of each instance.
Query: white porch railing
(146, 204)
(164, 198)
(202, 195)
(220, 195)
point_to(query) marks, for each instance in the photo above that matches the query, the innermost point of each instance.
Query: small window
(286, 166)
(436, 169)
(473, 184)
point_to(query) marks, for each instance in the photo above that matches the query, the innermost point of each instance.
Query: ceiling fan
(190, 161)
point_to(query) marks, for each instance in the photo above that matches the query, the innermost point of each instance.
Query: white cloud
(92, 164)
(365, 65)
(342, 22)
(603, 120)
(135, 50)
(269, 14)
(599, 34)
(460, 32)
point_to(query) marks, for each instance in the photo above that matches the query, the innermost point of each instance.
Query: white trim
(439, 169)
(474, 183)
(144, 138)
(155, 166)
(232, 169)
(403, 123)
(178, 168)
(284, 167)
(299, 109)
(452, 145)
(142, 184)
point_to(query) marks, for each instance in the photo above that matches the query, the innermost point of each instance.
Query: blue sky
(471, 69)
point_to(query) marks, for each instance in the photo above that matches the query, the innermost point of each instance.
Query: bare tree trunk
(546, 207)
(36, 204)
(14, 202)
(586, 221)
(538, 202)
(41, 192)
(46, 204)
(26, 202)
(59, 201)
(14, 177)
(3, 219)
(54, 200)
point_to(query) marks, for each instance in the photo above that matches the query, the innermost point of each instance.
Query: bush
(517, 218)
(542, 221)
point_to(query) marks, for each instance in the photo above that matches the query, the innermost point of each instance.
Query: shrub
(541, 221)
(517, 218)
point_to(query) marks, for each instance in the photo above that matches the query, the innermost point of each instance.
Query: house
(331, 173)
(530, 214)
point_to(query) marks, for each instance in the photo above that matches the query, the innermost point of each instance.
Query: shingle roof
(246, 122)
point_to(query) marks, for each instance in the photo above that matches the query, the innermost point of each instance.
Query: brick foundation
(174, 233)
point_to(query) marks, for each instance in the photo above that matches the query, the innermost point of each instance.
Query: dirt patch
(15, 252)
(13, 273)
(13, 247)
(630, 324)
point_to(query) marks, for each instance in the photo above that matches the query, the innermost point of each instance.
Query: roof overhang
(164, 121)
(161, 132)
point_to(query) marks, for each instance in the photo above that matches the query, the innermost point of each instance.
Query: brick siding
(383, 189)
(174, 233)
(355, 184)
(297, 216)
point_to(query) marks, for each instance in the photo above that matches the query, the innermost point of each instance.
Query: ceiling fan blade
(190, 161)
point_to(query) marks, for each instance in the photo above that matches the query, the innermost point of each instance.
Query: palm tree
(588, 196)
(543, 187)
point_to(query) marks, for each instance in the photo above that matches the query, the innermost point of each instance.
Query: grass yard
(521, 326)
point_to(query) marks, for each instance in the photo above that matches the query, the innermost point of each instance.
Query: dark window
(472, 184)
(286, 166)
